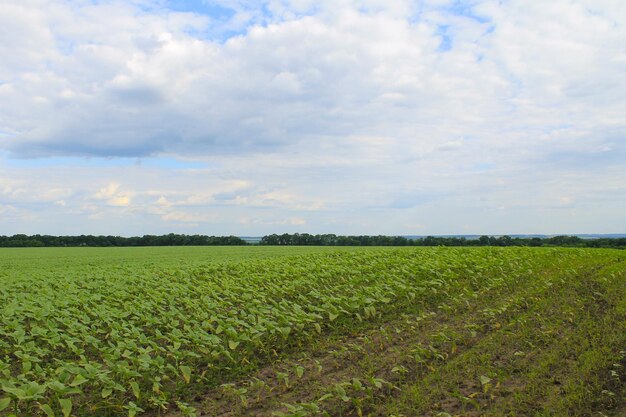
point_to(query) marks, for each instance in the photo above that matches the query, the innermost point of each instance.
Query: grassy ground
(15, 261)
(466, 331)
(544, 342)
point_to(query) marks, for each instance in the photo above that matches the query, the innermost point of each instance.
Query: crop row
(126, 341)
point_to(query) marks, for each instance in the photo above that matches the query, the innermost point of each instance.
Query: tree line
(302, 239)
(105, 241)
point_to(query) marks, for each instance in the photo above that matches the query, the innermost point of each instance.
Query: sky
(350, 117)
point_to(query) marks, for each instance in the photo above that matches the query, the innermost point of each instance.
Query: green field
(303, 331)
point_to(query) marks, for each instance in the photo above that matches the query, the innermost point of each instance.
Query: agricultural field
(310, 331)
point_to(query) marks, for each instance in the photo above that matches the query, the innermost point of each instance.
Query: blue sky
(357, 117)
(213, 9)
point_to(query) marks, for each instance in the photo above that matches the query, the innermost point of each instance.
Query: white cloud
(178, 216)
(7, 210)
(290, 221)
(114, 196)
(145, 86)
(352, 115)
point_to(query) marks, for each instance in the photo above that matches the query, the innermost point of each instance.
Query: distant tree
(505, 241)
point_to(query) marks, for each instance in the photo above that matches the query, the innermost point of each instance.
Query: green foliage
(116, 338)
(22, 241)
(305, 239)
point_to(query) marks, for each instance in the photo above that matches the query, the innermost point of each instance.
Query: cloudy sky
(352, 117)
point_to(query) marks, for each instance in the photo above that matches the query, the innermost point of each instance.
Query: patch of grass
(560, 355)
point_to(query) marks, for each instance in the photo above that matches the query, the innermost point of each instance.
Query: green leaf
(484, 380)
(299, 371)
(186, 371)
(133, 409)
(34, 390)
(106, 392)
(4, 403)
(19, 393)
(135, 387)
(47, 409)
(78, 380)
(66, 406)
(342, 393)
(57, 386)
(324, 397)
(332, 317)
(233, 344)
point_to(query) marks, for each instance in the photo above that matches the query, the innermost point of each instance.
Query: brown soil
(371, 353)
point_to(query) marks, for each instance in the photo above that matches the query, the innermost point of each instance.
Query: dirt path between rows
(348, 375)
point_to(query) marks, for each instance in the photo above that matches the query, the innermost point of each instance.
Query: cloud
(259, 196)
(7, 210)
(112, 195)
(182, 217)
(353, 115)
(300, 73)
(310, 70)
(291, 221)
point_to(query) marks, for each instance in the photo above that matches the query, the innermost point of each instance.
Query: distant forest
(302, 239)
(105, 241)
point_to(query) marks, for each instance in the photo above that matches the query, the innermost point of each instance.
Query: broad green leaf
(484, 380)
(47, 409)
(18, 392)
(133, 409)
(78, 380)
(4, 403)
(66, 406)
(186, 371)
(57, 386)
(342, 393)
(34, 390)
(135, 387)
